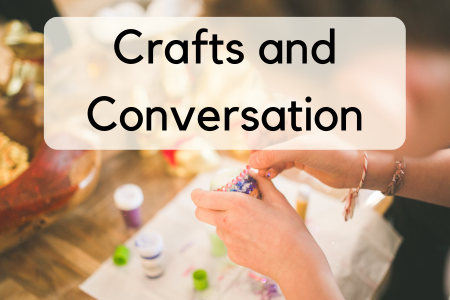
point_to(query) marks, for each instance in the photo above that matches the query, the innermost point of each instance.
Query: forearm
(309, 276)
(426, 179)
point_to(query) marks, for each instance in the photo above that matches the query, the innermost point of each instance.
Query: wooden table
(54, 262)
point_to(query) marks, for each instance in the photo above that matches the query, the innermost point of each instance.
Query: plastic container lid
(149, 244)
(121, 255)
(200, 280)
(128, 197)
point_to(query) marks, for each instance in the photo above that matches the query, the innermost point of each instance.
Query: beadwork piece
(264, 287)
(235, 180)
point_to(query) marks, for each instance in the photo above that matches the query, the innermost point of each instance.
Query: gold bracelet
(397, 179)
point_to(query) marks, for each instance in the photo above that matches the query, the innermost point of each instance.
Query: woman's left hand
(266, 236)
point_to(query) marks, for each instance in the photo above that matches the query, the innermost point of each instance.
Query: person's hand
(267, 236)
(258, 234)
(335, 168)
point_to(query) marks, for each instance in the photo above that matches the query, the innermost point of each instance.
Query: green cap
(200, 280)
(121, 255)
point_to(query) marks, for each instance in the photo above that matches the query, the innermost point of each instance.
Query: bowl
(55, 181)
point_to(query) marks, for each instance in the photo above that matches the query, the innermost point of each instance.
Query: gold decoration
(27, 67)
(13, 160)
(25, 43)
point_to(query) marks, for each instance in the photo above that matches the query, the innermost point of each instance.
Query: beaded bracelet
(397, 180)
(239, 178)
(352, 195)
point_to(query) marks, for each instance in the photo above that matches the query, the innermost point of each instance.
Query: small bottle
(218, 247)
(150, 246)
(128, 199)
(304, 192)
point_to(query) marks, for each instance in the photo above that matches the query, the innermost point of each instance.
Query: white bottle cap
(304, 192)
(128, 197)
(149, 244)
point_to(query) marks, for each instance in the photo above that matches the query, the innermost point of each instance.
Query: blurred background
(58, 218)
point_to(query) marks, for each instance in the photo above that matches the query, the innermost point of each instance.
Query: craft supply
(121, 255)
(128, 199)
(264, 287)
(303, 194)
(352, 195)
(200, 280)
(235, 180)
(218, 247)
(150, 246)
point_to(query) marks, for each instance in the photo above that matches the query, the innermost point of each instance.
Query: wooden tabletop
(52, 264)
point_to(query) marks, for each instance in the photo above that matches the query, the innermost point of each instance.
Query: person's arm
(269, 237)
(309, 279)
(425, 179)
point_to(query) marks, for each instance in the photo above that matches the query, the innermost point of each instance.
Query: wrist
(380, 170)
(307, 274)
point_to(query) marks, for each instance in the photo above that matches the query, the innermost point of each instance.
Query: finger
(212, 200)
(285, 152)
(272, 155)
(277, 169)
(266, 159)
(269, 192)
(265, 185)
(262, 172)
(320, 160)
(208, 216)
